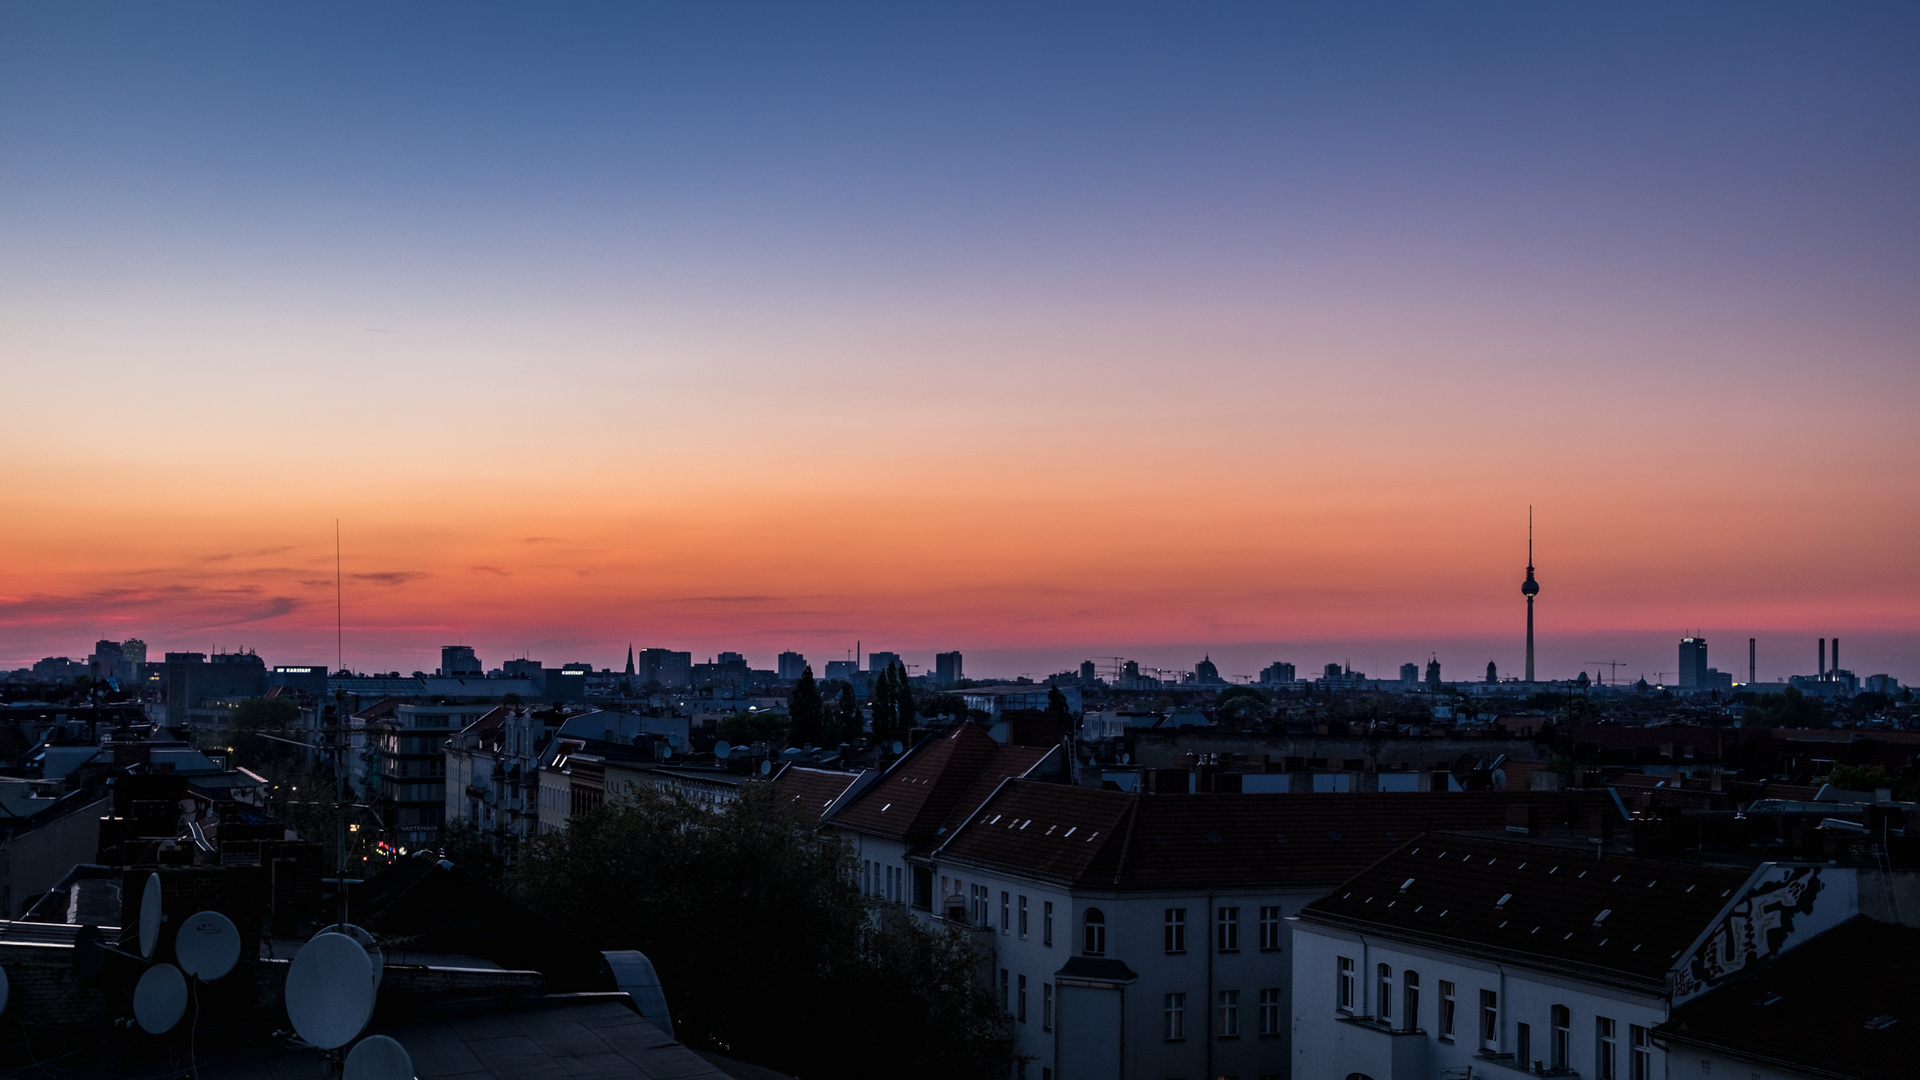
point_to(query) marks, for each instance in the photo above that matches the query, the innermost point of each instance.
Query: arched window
(1096, 933)
(1562, 1036)
(1410, 995)
(1383, 1005)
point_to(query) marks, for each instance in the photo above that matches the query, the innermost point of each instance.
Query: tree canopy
(763, 941)
(807, 712)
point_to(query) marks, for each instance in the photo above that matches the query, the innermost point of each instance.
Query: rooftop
(931, 789)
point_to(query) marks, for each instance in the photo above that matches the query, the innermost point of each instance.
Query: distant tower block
(1493, 673)
(1530, 589)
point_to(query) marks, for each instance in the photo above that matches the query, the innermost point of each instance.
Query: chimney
(1836, 655)
(1823, 658)
(1751, 677)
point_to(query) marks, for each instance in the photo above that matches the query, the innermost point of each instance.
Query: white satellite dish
(160, 999)
(207, 946)
(665, 752)
(722, 750)
(150, 916)
(378, 1057)
(766, 767)
(330, 991)
(375, 954)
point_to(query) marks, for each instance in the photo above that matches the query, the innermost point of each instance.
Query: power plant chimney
(1823, 659)
(1836, 657)
(1750, 666)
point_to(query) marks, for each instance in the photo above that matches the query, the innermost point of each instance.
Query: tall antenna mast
(339, 737)
(340, 634)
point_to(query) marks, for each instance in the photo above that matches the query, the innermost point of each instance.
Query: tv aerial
(330, 991)
(378, 1057)
(160, 999)
(207, 946)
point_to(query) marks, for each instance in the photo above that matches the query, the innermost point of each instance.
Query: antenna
(160, 999)
(339, 624)
(330, 990)
(207, 946)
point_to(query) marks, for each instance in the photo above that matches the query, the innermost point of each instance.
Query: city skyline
(1031, 334)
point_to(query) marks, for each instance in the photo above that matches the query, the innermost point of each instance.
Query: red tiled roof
(813, 790)
(1561, 907)
(936, 785)
(1108, 839)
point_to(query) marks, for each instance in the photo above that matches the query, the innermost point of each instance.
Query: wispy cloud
(391, 577)
(490, 570)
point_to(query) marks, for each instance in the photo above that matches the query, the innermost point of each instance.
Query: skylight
(1502, 902)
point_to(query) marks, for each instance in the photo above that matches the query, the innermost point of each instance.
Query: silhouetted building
(672, 670)
(881, 661)
(946, 668)
(193, 680)
(300, 678)
(1087, 672)
(1693, 663)
(1493, 672)
(1206, 673)
(1409, 675)
(1433, 673)
(1277, 672)
(457, 661)
(790, 665)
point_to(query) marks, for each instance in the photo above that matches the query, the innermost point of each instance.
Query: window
(1228, 922)
(1094, 941)
(1489, 1020)
(1229, 1014)
(1176, 1017)
(1174, 930)
(1383, 1004)
(1640, 1045)
(1006, 912)
(1523, 1045)
(1410, 999)
(1270, 1011)
(1003, 991)
(1046, 924)
(1446, 1009)
(1023, 918)
(977, 906)
(1346, 983)
(1046, 1006)
(1603, 1049)
(1020, 1012)
(1270, 928)
(1562, 1036)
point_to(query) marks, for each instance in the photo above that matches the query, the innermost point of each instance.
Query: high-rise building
(1409, 675)
(1530, 589)
(1693, 663)
(790, 665)
(1276, 673)
(880, 661)
(1433, 673)
(672, 670)
(1088, 673)
(459, 662)
(109, 661)
(1493, 672)
(946, 668)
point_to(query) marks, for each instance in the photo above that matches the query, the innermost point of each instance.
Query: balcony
(1378, 1049)
(1531, 1068)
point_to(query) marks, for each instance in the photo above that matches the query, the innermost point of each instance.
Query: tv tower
(1530, 589)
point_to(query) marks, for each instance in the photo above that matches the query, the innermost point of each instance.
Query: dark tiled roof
(813, 790)
(1109, 839)
(936, 785)
(1846, 1003)
(1611, 913)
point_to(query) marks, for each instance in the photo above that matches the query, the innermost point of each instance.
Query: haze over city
(1037, 334)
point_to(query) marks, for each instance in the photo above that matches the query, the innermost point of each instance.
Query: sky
(1037, 332)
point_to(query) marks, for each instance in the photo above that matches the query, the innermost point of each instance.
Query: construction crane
(1613, 675)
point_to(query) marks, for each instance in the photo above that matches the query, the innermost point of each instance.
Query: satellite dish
(790, 752)
(160, 999)
(766, 767)
(897, 747)
(150, 916)
(378, 1057)
(375, 954)
(665, 752)
(207, 946)
(1126, 759)
(330, 991)
(722, 750)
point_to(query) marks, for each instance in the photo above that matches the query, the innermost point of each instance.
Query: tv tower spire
(1530, 589)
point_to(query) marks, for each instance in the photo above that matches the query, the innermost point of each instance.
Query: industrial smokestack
(1836, 656)
(1750, 666)
(1823, 658)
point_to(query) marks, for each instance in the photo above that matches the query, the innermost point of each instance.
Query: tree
(1058, 710)
(880, 703)
(742, 728)
(1243, 703)
(847, 714)
(1790, 709)
(806, 712)
(1859, 777)
(757, 928)
(903, 711)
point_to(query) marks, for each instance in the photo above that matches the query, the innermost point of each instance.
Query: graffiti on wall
(1756, 928)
